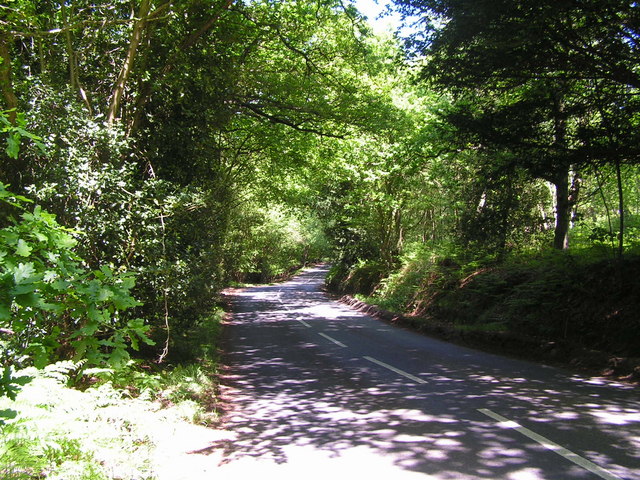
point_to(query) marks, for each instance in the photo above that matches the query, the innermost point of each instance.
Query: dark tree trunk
(9, 167)
(9, 96)
(563, 211)
(620, 209)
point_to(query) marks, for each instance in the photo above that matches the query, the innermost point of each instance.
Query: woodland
(480, 172)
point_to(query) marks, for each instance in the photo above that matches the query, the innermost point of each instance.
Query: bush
(51, 306)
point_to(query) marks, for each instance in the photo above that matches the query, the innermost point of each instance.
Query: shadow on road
(298, 401)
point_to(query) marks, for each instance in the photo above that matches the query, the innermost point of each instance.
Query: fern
(20, 453)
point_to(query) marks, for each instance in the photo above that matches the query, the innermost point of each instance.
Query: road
(317, 389)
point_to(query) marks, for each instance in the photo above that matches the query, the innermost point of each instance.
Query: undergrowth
(584, 299)
(73, 423)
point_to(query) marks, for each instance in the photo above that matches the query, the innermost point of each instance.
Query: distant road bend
(317, 389)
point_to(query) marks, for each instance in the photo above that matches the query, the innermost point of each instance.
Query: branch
(153, 16)
(259, 113)
(170, 63)
(193, 38)
(127, 66)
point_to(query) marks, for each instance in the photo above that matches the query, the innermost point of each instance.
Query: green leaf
(22, 380)
(13, 145)
(23, 289)
(23, 249)
(106, 270)
(104, 294)
(28, 300)
(56, 308)
(88, 330)
(40, 355)
(61, 285)
(23, 272)
(7, 414)
(49, 276)
(119, 357)
(41, 237)
(97, 315)
(66, 241)
(123, 302)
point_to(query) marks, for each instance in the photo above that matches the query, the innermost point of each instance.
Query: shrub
(51, 306)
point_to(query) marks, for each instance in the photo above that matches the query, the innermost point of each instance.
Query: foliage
(266, 244)
(114, 421)
(15, 132)
(554, 106)
(585, 301)
(98, 433)
(201, 143)
(52, 303)
(363, 277)
(181, 138)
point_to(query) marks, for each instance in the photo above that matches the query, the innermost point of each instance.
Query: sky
(373, 8)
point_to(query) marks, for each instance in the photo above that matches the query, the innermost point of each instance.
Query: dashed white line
(554, 447)
(340, 344)
(303, 322)
(396, 370)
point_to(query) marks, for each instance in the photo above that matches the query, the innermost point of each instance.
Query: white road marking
(340, 344)
(396, 370)
(288, 309)
(554, 447)
(303, 322)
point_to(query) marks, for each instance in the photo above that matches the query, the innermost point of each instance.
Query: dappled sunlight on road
(617, 416)
(296, 408)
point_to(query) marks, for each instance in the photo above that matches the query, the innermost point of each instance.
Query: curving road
(318, 389)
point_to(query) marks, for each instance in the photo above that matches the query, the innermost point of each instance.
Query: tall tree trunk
(563, 211)
(561, 177)
(10, 172)
(136, 37)
(9, 96)
(620, 209)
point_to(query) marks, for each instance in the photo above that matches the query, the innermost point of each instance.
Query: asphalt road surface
(317, 390)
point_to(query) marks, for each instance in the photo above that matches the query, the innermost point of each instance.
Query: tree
(515, 41)
(175, 127)
(559, 50)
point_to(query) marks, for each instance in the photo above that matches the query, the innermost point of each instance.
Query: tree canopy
(171, 149)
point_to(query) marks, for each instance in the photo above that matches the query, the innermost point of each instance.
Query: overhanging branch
(258, 112)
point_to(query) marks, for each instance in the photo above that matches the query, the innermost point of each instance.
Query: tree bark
(10, 171)
(563, 211)
(620, 209)
(561, 177)
(9, 96)
(136, 37)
